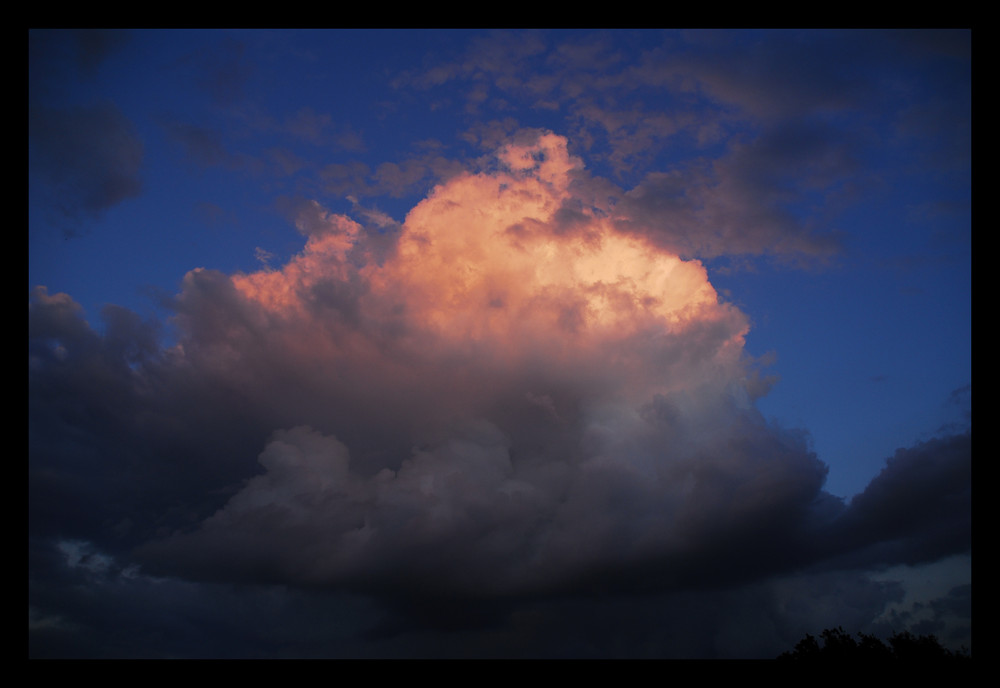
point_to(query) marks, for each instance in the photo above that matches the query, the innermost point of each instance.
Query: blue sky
(184, 184)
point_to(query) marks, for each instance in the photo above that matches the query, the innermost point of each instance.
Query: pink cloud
(513, 395)
(541, 372)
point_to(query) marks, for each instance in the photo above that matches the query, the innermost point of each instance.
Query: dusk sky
(562, 343)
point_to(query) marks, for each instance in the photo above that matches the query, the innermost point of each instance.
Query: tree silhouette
(838, 645)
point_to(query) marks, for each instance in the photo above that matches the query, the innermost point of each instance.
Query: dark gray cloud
(224, 70)
(202, 145)
(128, 614)
(95, 46)
(84, 157)
(58, 56)
(771, 75)
(114, 443)
(918, 507)
(89, 157)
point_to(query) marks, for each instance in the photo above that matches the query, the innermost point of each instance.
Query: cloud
(504, 404)
(727, 141)
(89, 157)
(56, 56)
(503, 397)
(496, 57)
(128, 614)
(919, 507)
(224, 71)
(202, 145)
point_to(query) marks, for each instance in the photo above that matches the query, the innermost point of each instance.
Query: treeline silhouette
(839, 645)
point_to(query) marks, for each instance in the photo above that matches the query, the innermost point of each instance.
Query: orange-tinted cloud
(503, 393)
(538, 370)
(482, 264)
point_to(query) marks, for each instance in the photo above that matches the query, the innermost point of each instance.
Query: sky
(499, 344)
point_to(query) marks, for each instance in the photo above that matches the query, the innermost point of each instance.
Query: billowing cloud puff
(505, 394)
(537, 374)
(484, 268)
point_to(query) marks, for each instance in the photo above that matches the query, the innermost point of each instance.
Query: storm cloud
(502, 407)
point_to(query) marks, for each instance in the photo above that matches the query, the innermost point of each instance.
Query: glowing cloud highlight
(573, 399)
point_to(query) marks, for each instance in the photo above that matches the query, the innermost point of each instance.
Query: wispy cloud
(90, 157)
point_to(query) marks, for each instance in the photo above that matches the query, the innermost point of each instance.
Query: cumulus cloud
(511, 396)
